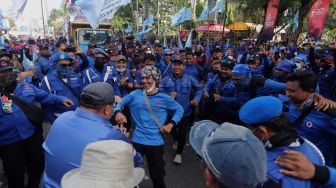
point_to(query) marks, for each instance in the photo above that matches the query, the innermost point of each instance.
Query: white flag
(91, 10)
(110, 7)
(19, 6)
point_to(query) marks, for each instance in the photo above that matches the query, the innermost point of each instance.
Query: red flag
(317, 16)
(270, 18)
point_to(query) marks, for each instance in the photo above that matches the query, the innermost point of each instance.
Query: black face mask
(198, 53)
(99, 65)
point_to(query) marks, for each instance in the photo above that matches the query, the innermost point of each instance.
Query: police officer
(220, 90)
(100, 71)
(182, 88)
(21, 139)
(149, 110)
(274, 129)
(62, 82)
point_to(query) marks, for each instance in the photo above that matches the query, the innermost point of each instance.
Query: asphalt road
(187, 175)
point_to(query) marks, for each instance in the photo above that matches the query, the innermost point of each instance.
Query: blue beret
(300, 57)
(260, 110)
(167, 51)
(286, 66)
(241, 70)
(61, 56)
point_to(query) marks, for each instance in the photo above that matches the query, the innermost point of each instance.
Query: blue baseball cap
(286, 66)
(257, 110)
(100, 51)
(231, 152)
(61, 56)
(241, 70)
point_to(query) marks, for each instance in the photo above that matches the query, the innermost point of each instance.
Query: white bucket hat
(105, 164)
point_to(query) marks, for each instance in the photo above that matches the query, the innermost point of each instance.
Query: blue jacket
(52, 84)
(273, 170)
(319, 128)
(42, 67)
(117, 76)
(67, 139)
(92, 75)
(326, 81)
(15, 126)
(184, 87)
(162, 67)
(332, 179)
(146, 130)
(192, 71)
(226, 90)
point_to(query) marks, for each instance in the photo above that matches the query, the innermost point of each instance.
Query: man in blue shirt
(182, 87)
(149, 119)
(62, 82)
(42, 64)
(274, 129)
(73, 130)
(165, 63)
(21, 140)
(316, 126)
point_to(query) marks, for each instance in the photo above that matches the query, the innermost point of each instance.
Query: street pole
(44, 31)
(224, 20)
(158, 17)
(136, 16)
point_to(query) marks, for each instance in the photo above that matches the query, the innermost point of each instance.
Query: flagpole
(44, 31)
(224, 20)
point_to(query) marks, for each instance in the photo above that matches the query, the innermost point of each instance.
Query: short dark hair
(279, 124)
(86, 101)
(307, 80)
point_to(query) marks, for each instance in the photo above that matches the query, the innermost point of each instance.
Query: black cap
(5, 54)
(92, 46)
(227, 64)
(70, 49)
(137, 51)
(44, 47)
(98, 93)
(149, 57)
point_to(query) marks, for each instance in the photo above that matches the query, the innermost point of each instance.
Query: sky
(33, 7)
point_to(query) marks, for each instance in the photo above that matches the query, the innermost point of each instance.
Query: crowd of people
(258, 116)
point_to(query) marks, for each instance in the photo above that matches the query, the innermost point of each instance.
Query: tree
(55, 20)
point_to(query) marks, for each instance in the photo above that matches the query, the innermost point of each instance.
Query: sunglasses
(168, 55)
(67, 65)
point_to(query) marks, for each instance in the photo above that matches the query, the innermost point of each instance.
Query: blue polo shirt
(67, 139)
(146, 131)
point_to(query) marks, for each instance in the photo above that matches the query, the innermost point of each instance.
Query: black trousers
(154, 155)
(27, 154)
(179, 132)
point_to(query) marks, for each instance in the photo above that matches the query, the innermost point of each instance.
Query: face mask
(63, 72)
(121, 69)
(6, 80)
(99, 65)
(198, 53)
(151, 88)
(230, 57)
(244, 83)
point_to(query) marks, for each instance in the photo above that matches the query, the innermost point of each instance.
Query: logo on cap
(309, 124)
(62, 56)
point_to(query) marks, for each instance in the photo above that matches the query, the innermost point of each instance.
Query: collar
(90, 115)
(282, 139)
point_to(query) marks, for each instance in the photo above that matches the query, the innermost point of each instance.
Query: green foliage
(55, 20)
(121, 19)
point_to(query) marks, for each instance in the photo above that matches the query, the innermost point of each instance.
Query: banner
(110, 7)
(19, 6)
(204, 13)
(270, 18)
(317, 16)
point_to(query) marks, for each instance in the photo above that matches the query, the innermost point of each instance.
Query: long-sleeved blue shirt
(118, 76)
(184, 86)
(42, 67)
(146, 130)
(51, 83)
(67, 139)
(317, 127)
(15, 126)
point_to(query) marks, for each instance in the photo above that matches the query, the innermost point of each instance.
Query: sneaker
(178, 159)
(174, 146)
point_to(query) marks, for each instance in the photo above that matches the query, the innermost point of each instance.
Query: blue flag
(142, 33)
(204, 13)
(149, 21)
(187, 15)
(218, 7)
(176, 19)
(19, 6)
(128, 29)
(189, 40)
(180, 45)
(296, 21)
